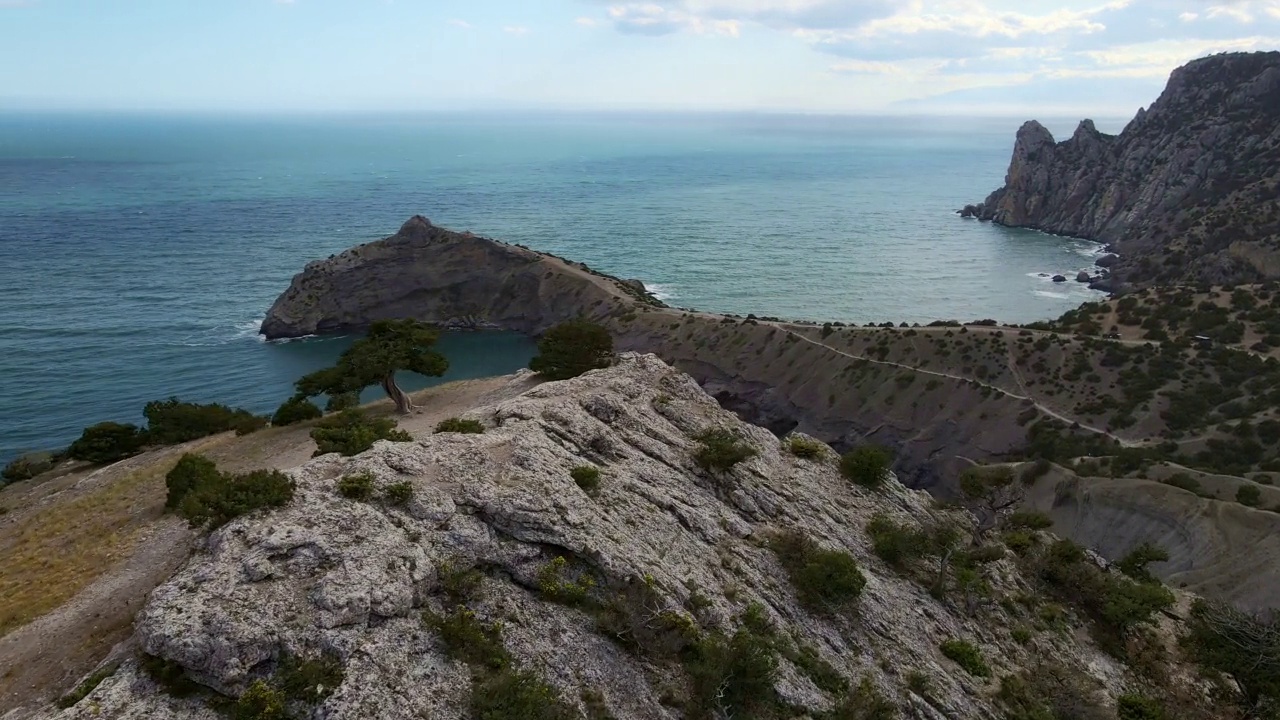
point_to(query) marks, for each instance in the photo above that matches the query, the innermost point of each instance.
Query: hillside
(1188, 192)
(501, 585)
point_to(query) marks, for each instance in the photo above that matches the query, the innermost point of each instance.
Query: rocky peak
(416, 228)
(1199, 165)
(595, 590)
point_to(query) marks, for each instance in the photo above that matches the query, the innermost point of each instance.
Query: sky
(815, 56)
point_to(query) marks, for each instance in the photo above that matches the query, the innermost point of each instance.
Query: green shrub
(352, 432)
(356, 487)
(513, 694)
(219, 499)
(170, 676)
(191, 472)
(1246, 647)
(571, 349)
(1020, 635)
(251, 424)
(1139, 707)
(803, 447)
(557, 587)
(260, 702)
(88, 685)
(1249, 494)
(721, 449)
(867, 466)
(898, 545)
(967, 656)
(731, 677)
(398, 493)
(308, 680)
(867, 703)
(28, 466)
(1033, 472)
(457, 425)
(825, 580)
(1184, 481)
(1019, 542)
(106, 443)
(170, 422)
(467, 639)
(295, 410)
(1135, 563)
(1028, 520)
(342, 401)
(587, 477)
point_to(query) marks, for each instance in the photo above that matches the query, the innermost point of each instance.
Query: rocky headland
(613, 599)
(1187, 192)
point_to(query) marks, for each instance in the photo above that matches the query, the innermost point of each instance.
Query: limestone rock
(351, 578)
(1198, 167)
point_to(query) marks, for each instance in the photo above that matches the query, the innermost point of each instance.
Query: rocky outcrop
(352, 579)
(1188, 191)
(458, 280)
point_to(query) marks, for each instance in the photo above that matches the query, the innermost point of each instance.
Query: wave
(661, 292)
(226, 334)
(1054, 295)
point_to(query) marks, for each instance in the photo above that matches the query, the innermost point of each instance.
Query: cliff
(1188, 191)
(454, 279)
(500, 573)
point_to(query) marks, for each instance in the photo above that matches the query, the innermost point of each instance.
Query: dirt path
(105, 533)
(1040, 406)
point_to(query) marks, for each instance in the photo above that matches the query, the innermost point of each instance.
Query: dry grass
(60, 549)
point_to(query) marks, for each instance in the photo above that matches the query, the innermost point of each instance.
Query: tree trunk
(404, 405)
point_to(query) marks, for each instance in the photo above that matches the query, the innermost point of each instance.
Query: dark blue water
(141, 252)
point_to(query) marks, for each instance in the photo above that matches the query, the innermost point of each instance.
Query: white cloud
(586, 22)
(867, 67)
(653, 19)
(1188, 16)
(459, 23)
(515, 30)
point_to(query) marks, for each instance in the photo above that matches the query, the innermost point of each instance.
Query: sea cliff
(1187, 192)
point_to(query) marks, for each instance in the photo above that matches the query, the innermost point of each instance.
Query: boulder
(1059, 278)
(1083, 276)
(1107, 260)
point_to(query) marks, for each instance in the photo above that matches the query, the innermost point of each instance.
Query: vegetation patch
(399, 493)
(967, 656)
(88, 685)
(572, 348)
(204, 496)
(107, 442)
(805, 448)
(352, 432)
(721, 449)
(25, 467)
(458, 425)
(825, 580)
(867, 466)
(587, 477)
(295, 410)
(356, 487)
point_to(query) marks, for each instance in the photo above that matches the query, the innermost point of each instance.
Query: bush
(732, 677)
(805, 448)
(309, 680)
(1248, 494)
(1139, 707)
(867, 466)
(1247, 648)
(587, 477)
(251, 424)
(218, 499)
(898, 545)
(28, 466)
(191, 472)
(1033, 472)
(295, 410)
(398, 493)
(170, 422)
(825, 580)
(1135, 563)
(457, 425)
(351, 432)
(88, 685)
(170, 676)
(467, 639)
(106, 443)
(260, 702)
(721, 450)
(967, 656)
(571, 349)
(356, 487)
(1028, 520)
(868, 703)
(1185, 482)
(342, 401)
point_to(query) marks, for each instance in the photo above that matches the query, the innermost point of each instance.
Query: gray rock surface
(1190, 185)
(352, 578)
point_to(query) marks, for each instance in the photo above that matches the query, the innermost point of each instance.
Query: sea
(141, 251)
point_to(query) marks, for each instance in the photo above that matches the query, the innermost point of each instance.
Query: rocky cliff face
(455, 279)
(685, 552)
(1188, 191)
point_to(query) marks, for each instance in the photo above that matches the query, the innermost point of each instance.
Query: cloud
(867, 67)
(653, 19)
(515, 30)
(460, 23)
(586, 22)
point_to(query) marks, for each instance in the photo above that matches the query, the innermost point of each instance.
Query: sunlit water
(140, 253)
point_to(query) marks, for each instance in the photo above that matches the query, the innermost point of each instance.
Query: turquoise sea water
(140, 252)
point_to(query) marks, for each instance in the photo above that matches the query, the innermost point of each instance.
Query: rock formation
(455, 279)
(1188, 191)
(352, 579)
